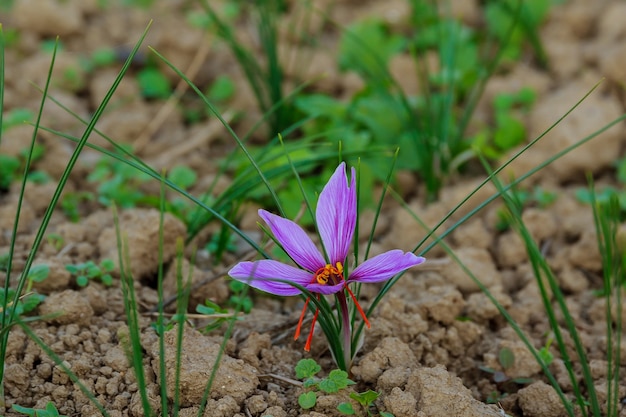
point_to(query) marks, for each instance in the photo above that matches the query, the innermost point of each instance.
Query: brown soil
(418, 354)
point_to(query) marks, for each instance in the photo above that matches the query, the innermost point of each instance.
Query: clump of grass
(607, 217)
(431, 127)
(266, 76)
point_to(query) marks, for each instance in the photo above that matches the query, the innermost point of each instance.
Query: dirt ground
(417, 354)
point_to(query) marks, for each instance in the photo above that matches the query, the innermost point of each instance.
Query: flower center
(329, 274)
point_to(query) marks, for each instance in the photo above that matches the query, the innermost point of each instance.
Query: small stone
(441, 394)
(234, 379)
(540, 400)
(401, 403)
(66, 307)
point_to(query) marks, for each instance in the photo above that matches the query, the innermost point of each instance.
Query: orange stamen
(358, 306)
(306, 304)
(307, 345)
(329, 274)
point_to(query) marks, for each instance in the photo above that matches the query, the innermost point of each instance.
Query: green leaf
(386, 414)
(107, 279)
(182, 176)
(345, 408)
(103, 57)
(510, 132)
(38, 177)
(31, 302)
(237, 286)
(202, 309)
(16, 117)
(366, 48)
(365, 398)
(384, 116)
(307, 400)
(318, 105)
(8, 169)
(222, 89)
(307, 368)
(546, 355)
(310, 382)
(51, 410)
(82, 281)
(39, 273)
(73, 269)
(337, 380)
(153, 84)
(506, 358)
(107, 265)
(23, 410)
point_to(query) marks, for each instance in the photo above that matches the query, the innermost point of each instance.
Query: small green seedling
(544, 352)
(50, 411)
(70, 203)
(55, 240)
(4, 262)
(25, 304)
(506, 384)
(11, 167)
(587, 196)
(182, 176)
(220, 243)
(118, 183)
(335, 381)
(153, 84)
(509, 130)
(237, 299)
(216, 315)
(167, 323)
(90, 270)
(37, 273)
(366, 400)
(16, 117)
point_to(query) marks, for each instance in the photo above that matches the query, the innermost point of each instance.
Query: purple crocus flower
(321, 273)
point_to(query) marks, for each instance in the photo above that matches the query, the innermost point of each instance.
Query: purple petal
(324, 289)
(384, 266)
(336, 214)
(262, 275)
(295, 241)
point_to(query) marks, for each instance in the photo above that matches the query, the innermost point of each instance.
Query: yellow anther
(334, 274)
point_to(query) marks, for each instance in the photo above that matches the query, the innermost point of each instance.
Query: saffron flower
(323, 273)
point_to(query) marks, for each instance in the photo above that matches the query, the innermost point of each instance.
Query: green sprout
(509, 130)
(86, 271)
(118, 183)
(365, 399)
(506, 358)
(16, 117)
(55, 240)
(336, 380)
(153, 84)
(244, 301)
(70, 203)
(182, 176)
(49, 411)
(544, 352)
(37, 273)
(9, 166)
(12, 166)
(25, 304)
(216, 315)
